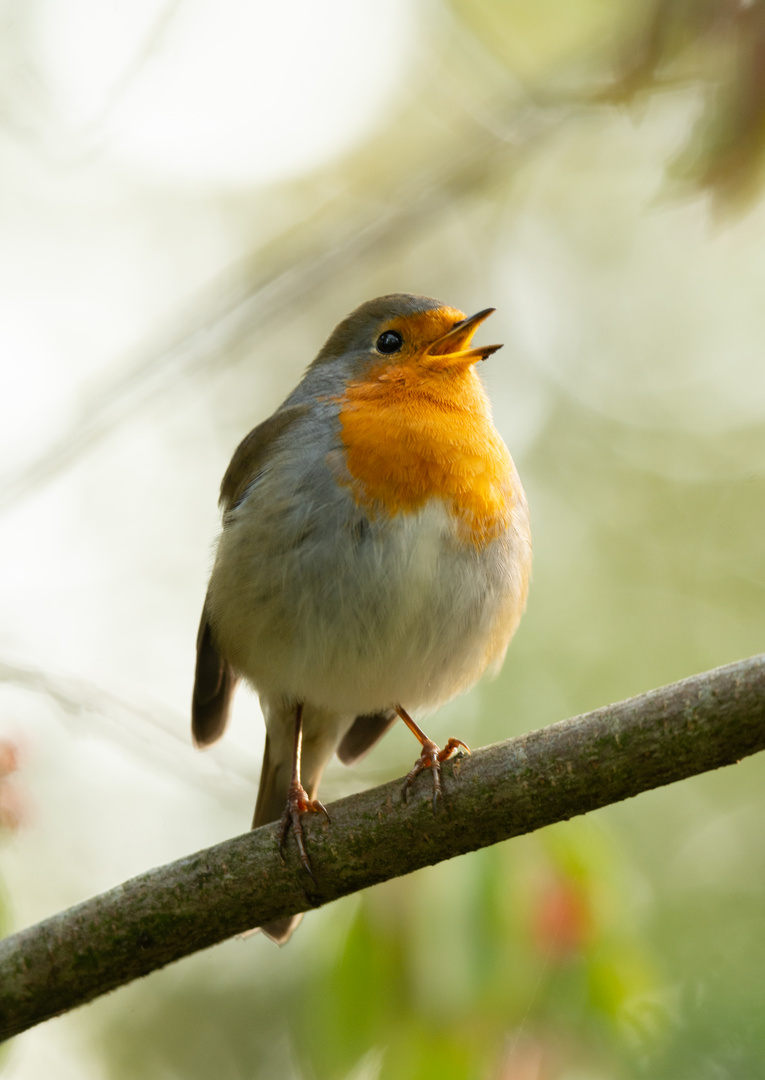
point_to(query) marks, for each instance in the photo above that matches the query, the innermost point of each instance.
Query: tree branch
(501, 791)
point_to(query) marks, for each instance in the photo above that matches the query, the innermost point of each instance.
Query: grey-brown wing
(252, 452)
(214, 685)
(214, 678)
(362, 735)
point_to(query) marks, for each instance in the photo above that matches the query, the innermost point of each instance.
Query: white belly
(358, 616)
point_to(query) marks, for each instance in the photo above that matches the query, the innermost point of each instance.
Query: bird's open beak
(453, 348)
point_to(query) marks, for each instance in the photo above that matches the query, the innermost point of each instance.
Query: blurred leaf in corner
(718, 45)
(11, 803)
(726, 153)
(11, 816)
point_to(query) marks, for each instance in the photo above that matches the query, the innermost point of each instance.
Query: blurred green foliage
(533, 942)
(720, 46)
(620, 52)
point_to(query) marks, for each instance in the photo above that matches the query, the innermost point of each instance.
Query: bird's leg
(430, 758)
(298, 800)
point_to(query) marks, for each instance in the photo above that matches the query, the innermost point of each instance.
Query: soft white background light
(221, 92)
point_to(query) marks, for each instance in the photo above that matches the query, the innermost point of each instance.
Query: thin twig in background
(151, 732)
(294, 267)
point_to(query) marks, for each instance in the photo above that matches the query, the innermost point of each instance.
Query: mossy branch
(513, 787)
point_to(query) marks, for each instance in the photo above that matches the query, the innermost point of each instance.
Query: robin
(374, 558)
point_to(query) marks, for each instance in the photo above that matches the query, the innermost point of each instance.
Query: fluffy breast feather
(315, 599)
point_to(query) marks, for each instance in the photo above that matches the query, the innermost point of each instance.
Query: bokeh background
(192, 194)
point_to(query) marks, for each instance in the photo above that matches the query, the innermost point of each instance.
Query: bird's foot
(298, 803)
(431, 758)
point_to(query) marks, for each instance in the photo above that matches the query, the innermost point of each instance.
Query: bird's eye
(389, 341)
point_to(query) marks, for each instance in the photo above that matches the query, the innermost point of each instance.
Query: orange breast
(409, 439)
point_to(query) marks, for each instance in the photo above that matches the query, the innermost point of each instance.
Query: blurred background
(192, 194)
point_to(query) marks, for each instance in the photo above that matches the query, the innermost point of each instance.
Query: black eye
(389, 341)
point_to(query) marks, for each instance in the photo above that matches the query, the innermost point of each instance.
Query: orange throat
(410, 439)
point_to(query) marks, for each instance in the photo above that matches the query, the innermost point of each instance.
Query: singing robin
(374, 558)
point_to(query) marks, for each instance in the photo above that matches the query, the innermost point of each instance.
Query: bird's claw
(431, 758)
(298, 803)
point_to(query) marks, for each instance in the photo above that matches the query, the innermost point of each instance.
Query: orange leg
(298, 801)
(430, 758)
